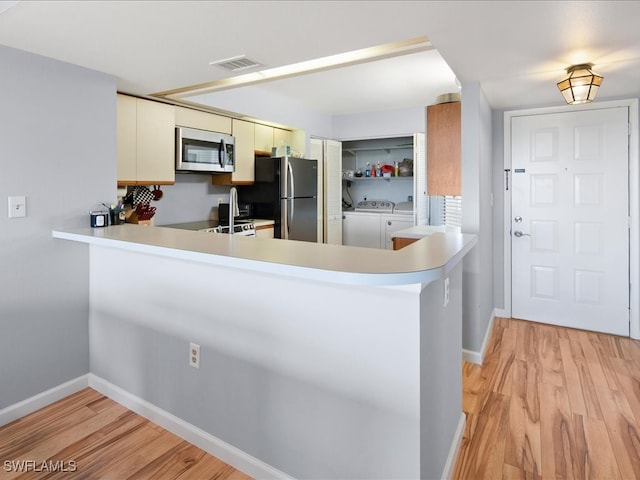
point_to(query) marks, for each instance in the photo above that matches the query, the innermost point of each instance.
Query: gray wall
(372, 389)
(57, 147)
(477, 215)
(498, 208)
(192, 198)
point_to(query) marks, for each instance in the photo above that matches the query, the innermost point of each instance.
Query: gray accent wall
(191, 199)
(477, 216)
(57, 148)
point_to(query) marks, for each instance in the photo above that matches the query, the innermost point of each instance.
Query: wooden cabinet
(282, 137)
(243, 133)
(263, 138)
(145, 142)
(267, 137)
(401, 242)
(188, 117)
(126, 138)
(264, 231)
(444, 149)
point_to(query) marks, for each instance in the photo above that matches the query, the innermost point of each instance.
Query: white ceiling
(516, 50)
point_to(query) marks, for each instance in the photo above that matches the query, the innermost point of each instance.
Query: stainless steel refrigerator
(285, 190)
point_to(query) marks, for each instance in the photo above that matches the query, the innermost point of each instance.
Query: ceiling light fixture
(581, 84)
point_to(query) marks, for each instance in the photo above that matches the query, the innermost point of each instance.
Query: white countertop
(421, 231)
(428, 259)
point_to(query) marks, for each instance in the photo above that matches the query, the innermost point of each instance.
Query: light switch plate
(17, 207)
(446, 291)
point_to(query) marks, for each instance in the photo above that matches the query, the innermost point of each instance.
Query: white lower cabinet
(361, 230)
(391, 224)
(372, 230)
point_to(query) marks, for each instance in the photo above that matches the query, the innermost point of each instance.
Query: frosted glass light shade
(581, 85)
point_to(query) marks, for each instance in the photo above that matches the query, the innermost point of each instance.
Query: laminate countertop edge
(430, 258)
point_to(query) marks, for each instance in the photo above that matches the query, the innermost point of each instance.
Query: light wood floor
(549, 402)
(88, 436)
(552, 403)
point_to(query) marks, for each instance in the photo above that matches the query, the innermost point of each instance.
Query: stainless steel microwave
(204, 151)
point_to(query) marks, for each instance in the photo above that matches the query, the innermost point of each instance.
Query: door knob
(519, 234)
(518, 219)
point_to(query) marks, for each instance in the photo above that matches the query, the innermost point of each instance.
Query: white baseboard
(455, 447)
(478, 357)
(213, 445)
(501, 312)
(30, 405)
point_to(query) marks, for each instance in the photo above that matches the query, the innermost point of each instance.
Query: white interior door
(570, 219)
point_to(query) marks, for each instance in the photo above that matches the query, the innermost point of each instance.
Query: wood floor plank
(472, 387)
(592, 360)
(462, 465)
(211, 468)
(573, 379)
(523, 447)
(509, 472)
(622, 431)
(171, 465)
(486, 459)
(562, 455)
(629, 380)
(48, 446)
(584, 371)
(549, 356)
(588, 388)
(101, 440)
(527, 342)
(139, 456)
(17, 430)
(598, 442)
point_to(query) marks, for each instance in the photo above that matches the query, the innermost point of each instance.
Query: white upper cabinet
(145, 142)
(188, 117)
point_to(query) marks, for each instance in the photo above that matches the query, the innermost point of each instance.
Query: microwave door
(229, 157)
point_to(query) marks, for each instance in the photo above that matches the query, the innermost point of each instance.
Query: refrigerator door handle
(290, 212)
(284, 229)
(290, 191)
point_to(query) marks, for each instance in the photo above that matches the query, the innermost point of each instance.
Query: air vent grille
(236, 63)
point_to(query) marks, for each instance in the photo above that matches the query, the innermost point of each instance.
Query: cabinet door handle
(389, 222)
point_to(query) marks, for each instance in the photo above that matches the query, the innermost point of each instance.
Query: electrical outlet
(17, 207)
(194, 355)
(446, 291)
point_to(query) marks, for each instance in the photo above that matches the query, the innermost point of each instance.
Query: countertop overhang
(428, 259)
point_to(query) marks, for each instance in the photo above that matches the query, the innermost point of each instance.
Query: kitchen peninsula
(316, 360)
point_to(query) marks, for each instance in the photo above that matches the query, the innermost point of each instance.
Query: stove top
(245, 228)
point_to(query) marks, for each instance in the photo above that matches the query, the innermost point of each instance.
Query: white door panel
(570, 265)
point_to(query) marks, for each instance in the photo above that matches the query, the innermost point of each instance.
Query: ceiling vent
(236, 63)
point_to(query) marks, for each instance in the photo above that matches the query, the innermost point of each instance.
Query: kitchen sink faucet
(233, 208)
